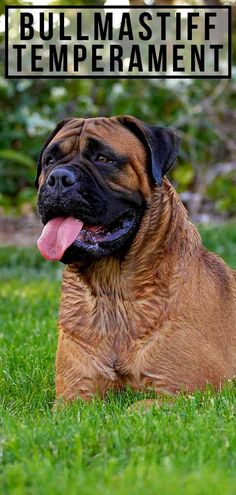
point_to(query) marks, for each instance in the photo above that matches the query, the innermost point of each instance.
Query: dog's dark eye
(103, 159)
(48, 161)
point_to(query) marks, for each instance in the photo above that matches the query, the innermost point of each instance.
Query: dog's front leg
(74, 376)
(78, 374)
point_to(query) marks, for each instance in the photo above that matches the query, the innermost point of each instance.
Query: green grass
(102, 447)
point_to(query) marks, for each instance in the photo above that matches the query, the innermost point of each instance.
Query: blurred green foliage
(223, 191)
(202, 111)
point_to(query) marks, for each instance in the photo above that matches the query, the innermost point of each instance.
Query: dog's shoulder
(218, 271)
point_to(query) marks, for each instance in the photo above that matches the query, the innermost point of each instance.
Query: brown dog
(143, 303)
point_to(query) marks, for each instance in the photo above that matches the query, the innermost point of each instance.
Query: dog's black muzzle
(73, 191)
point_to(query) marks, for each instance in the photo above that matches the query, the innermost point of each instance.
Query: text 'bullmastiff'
(143, 303)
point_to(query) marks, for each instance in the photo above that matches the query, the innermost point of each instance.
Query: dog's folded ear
(162, 145)
(59, 126)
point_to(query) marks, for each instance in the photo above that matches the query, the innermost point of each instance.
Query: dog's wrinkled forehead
(146, 148)
(76, 134)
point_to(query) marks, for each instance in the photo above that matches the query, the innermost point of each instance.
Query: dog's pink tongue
(58, 234)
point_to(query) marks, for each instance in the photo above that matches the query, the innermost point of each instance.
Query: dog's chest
(111, 315)
(113, 329)
(115, 326)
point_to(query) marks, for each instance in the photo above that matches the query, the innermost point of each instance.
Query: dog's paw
(145, 404)
(58, 405)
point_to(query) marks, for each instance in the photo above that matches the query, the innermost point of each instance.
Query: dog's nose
(61, 178)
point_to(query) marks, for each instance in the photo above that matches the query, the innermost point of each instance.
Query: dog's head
(95, 177)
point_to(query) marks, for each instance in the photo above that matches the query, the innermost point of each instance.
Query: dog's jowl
(143, 303)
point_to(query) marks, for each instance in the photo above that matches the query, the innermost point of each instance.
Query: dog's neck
(165, 229)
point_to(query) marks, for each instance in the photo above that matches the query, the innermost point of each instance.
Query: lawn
(102, 447)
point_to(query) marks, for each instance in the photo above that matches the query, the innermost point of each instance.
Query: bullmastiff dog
(143, 303)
